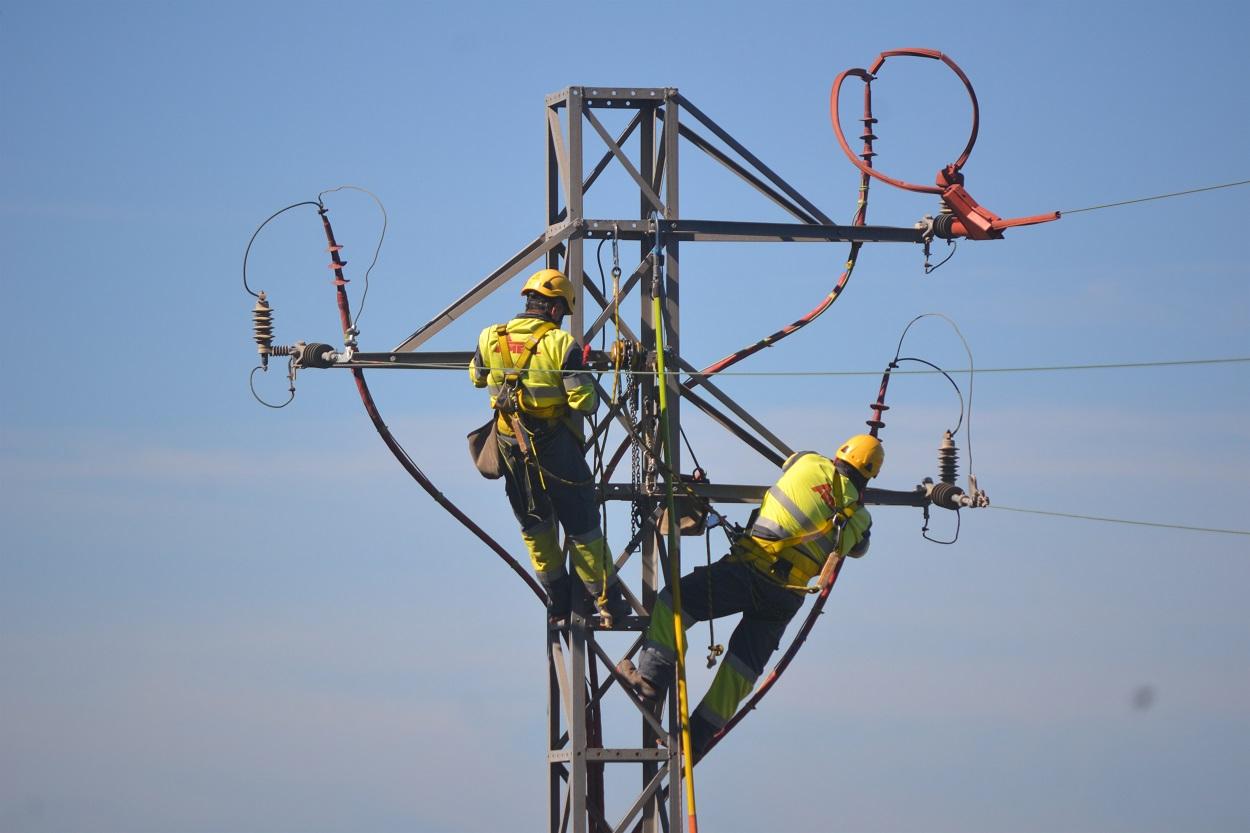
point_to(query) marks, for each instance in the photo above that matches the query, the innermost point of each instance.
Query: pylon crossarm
(738, 231)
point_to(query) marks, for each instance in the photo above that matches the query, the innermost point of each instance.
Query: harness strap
(512, 369)
(767, 552)
(529, 347)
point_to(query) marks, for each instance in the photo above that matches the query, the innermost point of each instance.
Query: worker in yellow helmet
(812, 513)
(540, 390)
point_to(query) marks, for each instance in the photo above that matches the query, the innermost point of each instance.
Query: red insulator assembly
(962, 215)
(877, 421)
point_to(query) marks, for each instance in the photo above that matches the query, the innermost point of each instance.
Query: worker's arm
(854, 542)
(579, 386)
(861, 547)
(855, 532)
(479, 370)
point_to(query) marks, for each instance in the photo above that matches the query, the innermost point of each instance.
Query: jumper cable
(966, 217)
(349, 338)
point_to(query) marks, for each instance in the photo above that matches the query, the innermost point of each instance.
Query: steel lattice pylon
(580, 670)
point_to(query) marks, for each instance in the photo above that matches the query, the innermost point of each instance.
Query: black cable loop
(251, 384)
(948, 378)
(929, 269)
(971, 375)
(924, 530)
(603, 287)
(248, 250)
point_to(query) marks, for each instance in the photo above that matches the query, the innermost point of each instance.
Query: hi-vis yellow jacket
(812, 511)
(548, 365)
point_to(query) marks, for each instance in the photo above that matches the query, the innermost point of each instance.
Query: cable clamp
(925, 226)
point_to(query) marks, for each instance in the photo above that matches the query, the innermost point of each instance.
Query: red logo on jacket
(825, 490)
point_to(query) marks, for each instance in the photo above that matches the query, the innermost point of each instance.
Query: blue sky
(217, 617)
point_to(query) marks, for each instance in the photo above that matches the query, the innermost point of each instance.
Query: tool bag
(484, 449)
(483, 442)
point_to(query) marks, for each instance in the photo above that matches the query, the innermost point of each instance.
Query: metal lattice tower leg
(575, 657)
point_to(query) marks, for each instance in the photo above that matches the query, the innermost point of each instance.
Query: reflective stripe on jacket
(551, 381)
(812, 511)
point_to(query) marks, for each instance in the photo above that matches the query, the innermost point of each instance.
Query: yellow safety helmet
(864, 452)
(552, 283)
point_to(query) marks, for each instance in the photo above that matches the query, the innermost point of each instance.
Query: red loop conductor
(967, 217)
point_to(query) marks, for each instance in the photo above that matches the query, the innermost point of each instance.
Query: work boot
(559, 597)
(650, 694)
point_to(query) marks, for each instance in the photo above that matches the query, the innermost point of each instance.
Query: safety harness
(770, 554)
(510, 402)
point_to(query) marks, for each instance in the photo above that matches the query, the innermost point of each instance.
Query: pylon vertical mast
(650, 573)
(575, 781)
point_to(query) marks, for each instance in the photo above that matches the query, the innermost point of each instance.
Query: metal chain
(635, 458)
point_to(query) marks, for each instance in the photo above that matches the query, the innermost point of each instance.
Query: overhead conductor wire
(1157, 197)
(1046, 368)
(1121, 520)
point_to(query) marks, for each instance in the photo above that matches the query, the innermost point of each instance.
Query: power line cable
(1024, 369)
(899, 372)
(1156, 197)
(1112, 365)
(1120, 520)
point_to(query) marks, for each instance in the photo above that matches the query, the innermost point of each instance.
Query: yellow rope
(674, 561)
